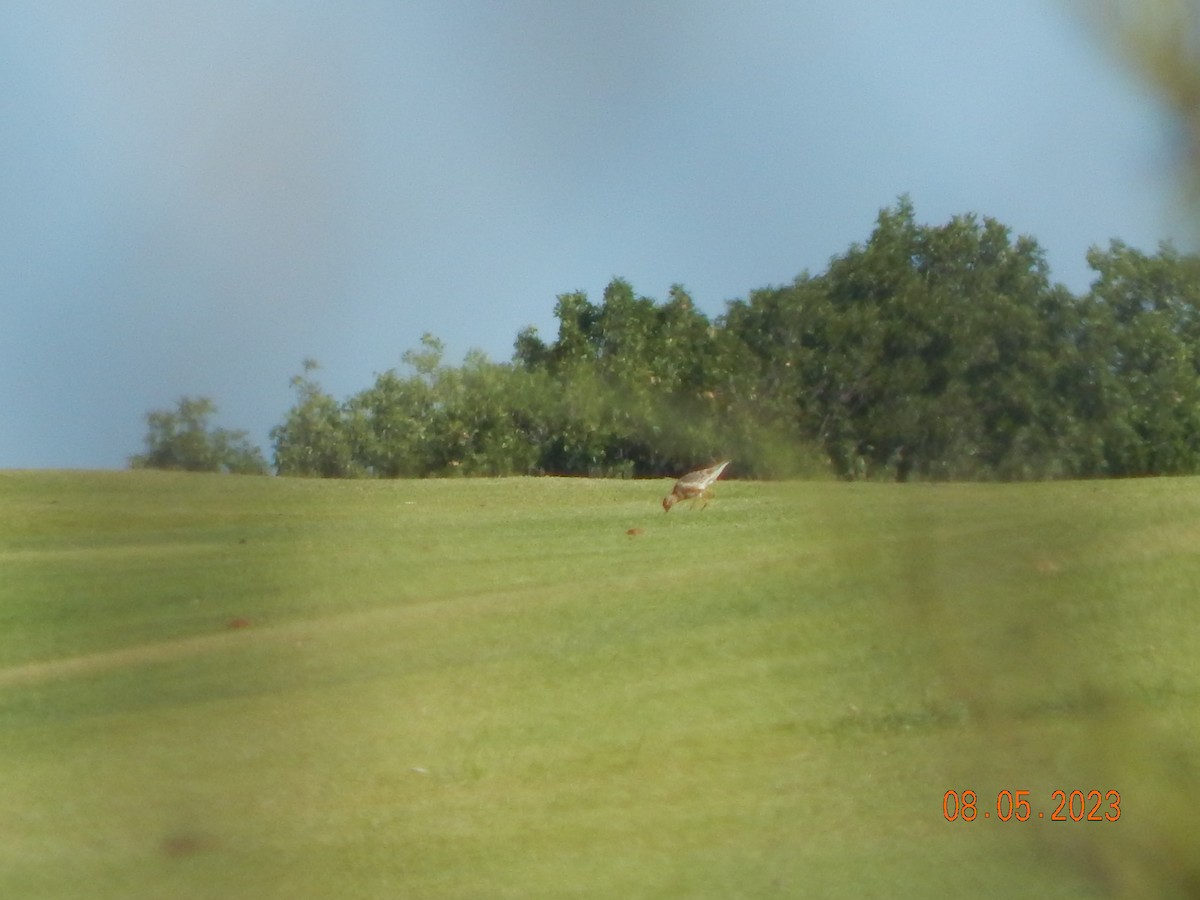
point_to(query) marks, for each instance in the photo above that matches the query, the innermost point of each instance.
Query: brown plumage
(695, 486)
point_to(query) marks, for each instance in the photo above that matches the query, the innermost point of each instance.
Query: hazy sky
(196, 196)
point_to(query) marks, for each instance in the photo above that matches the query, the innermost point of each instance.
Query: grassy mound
(249, 687)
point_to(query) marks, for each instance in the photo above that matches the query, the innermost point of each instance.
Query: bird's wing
(713, 473)
(702, 478)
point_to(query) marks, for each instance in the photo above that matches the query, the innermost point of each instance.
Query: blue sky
(197, 196)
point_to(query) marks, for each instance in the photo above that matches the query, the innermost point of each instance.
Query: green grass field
(547, 688)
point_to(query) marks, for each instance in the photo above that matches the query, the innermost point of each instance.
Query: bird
(695, 486)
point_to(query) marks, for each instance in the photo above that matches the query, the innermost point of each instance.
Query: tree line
(927, 352)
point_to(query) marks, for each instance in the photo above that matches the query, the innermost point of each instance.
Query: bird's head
(668, 502)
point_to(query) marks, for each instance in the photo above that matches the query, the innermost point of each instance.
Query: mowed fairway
(548, 688)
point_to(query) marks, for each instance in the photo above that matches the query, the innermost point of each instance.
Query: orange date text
(1064, 806)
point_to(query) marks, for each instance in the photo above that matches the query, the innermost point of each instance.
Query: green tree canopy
(182, 439)
(928, 351)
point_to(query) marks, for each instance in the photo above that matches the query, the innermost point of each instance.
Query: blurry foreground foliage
(1160, 39)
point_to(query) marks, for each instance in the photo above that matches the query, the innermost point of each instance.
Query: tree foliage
(1144, 317)
(315, 437)
(481, 418)
(947, 352)
(927, 352)
(182, 439)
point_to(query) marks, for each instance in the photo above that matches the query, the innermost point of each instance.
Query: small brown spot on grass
(187, 843)
(634, 532)
(238, 622)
